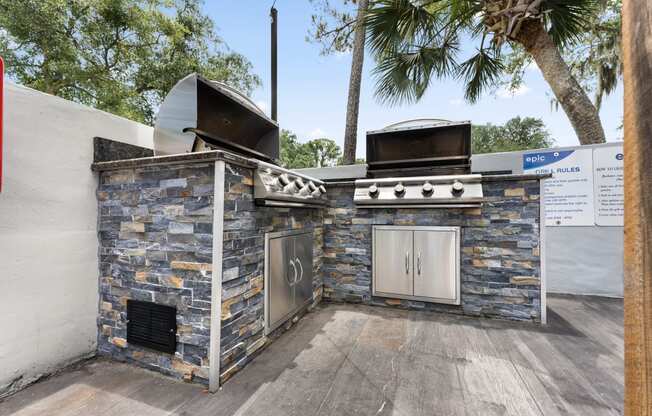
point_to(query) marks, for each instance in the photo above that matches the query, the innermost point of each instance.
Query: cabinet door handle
(407, 262)
(294, 280)
(300, 267)
(419, 263)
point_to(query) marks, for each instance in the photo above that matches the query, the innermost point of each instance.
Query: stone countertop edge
(196, 157)
(485, 178)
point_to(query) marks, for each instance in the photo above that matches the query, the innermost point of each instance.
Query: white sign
(569, 193)
(609, 185)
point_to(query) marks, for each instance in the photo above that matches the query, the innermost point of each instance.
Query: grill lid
(420, 147)
(218, 115)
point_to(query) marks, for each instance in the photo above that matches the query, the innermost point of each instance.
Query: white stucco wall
(48, 242)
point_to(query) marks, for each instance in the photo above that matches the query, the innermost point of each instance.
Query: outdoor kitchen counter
(169, 227)
(185, 232)
(501, 248)
(183, 158)
(485, 178)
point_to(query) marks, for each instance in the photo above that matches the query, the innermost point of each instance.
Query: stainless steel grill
(447, 191)
(420, 163)
(275, 186)
(198, 112)
(421, 147)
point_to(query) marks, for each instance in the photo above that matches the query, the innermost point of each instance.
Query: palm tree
(339, 30)
(415, 41)
(355, 82)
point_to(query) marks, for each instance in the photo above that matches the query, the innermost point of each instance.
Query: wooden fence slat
(637, 56)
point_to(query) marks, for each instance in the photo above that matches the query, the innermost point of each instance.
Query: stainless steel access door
(435, 264)
(303, 261)
(393, 261)
(280, 275)
(288, 275)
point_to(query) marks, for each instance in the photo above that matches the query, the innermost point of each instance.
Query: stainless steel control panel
(444, 191)
(275, 186)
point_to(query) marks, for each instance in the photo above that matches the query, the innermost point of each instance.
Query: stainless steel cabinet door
(435, 264)
(303, 262)
(393, 261)
(281, 277)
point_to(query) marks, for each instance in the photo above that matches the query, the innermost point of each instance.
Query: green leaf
(122, 56)
(480, 72)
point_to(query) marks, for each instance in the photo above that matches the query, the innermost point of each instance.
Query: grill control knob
(283, 180)
(399, 189)
(312, 186)
(457, 188)
(427, 189)
(290, 188)
(299, 183)
(322, 189)
(373, 191)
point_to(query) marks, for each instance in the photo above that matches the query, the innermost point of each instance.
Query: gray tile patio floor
(358, 360)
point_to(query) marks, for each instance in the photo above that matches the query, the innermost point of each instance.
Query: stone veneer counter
(500, 249)
(169, 227)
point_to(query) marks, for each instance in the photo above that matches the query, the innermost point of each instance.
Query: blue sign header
(537, 160)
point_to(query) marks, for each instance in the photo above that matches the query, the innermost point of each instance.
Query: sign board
(569, 193)
(609, 186)
(2, 80)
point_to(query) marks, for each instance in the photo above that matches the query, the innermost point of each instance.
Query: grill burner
(436, 152)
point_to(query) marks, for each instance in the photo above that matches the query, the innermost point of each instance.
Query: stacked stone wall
(155, 228)
(500, 250)
(245, 225)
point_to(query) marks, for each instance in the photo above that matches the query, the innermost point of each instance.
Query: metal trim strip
(434, 206)
(471, 178)
(216, 279)
(542, 254)
(287, 204)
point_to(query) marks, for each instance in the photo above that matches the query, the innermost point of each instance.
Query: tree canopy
(315, 153)
(121, 56)
(595, 60)
(517, 134)
(415, 42)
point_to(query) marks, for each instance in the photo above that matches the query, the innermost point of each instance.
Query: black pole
(274, 15)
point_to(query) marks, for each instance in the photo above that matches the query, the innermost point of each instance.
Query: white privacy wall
(48, 241)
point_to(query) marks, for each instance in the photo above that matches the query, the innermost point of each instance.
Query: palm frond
(414, 42)
(404, 77)
(567, 20)
(480, 72)
(391, 23)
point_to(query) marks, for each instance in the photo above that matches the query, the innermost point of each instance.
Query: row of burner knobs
(297, 185)
(457, 188)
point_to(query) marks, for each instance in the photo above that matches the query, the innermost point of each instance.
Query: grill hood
(197, 108)
(419, 148)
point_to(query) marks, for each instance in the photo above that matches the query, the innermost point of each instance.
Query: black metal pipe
(274, 15)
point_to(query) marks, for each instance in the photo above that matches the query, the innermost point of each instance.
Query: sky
(313, 89)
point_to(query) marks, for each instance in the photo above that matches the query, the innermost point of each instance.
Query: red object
(2, 83)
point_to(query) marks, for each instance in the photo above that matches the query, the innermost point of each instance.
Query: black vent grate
(152, 326)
